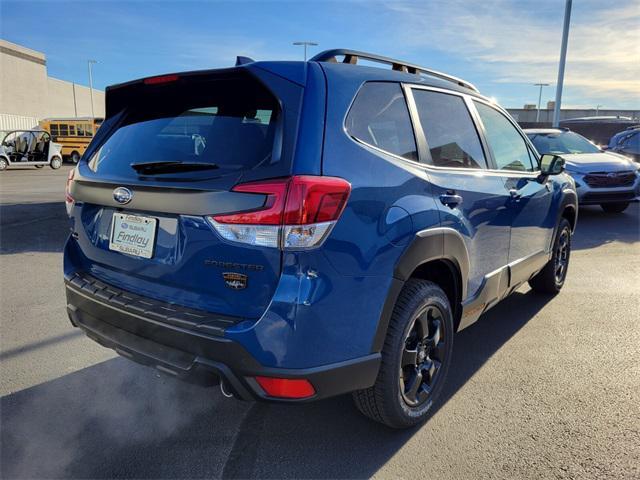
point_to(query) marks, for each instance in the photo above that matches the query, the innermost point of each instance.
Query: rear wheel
(39, 166)
(616, 207)
(56, 163)
(415, 358)
(551, 278)
(74, 157)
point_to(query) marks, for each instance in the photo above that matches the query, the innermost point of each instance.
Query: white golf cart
(22, 148)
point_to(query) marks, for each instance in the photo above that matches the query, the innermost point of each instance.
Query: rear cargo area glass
(229, 124)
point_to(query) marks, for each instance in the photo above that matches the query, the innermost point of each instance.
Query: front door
(532, 220)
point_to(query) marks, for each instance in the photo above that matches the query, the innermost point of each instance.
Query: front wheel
(551, 278)
(415, 358)
(616, 207)
(75, 157)
(4, 164)
(56, 163)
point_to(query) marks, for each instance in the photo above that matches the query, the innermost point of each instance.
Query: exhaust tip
(226, 391)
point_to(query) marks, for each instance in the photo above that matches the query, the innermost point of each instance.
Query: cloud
(519, 42)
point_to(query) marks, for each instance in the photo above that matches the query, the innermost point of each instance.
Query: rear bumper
(196, 355)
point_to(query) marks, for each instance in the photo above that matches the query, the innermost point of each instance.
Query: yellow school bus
(74, 134)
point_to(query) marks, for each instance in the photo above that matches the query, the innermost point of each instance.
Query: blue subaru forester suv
(298, 230)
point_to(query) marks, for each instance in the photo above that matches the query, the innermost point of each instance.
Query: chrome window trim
(407, 87)
(420, 141)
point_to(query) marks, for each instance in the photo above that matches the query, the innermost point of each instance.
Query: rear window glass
(379, 117)
(452, 137)
(229, 123)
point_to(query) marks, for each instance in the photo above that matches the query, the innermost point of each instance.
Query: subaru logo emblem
(122, 195)
(611, 174)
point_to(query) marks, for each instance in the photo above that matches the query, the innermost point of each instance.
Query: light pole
(540, 99)
(563, 59)
(306, 44)
(89, 63)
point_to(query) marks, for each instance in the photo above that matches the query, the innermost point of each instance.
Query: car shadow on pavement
(33, 227)
(117, 419)
(596, 227)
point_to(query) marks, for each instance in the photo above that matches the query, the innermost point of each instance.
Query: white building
(28, 94)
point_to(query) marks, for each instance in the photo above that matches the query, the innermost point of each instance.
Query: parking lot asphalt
(539, 388)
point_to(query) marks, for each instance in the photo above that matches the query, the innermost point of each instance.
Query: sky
(501, 46)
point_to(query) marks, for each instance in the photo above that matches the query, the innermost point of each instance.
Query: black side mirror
(550, 165)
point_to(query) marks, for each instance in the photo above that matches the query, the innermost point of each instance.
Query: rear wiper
(171, 166)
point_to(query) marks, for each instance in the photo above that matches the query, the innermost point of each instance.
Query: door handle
(451, 199)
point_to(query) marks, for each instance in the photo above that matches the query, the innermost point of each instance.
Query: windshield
(562, 143)
(225, 125)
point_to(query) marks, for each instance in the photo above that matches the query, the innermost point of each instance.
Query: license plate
(133, 234)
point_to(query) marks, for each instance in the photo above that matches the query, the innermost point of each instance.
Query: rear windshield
(228, 123)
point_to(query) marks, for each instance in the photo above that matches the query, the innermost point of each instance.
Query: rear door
(165, 161)
(532, 220)
(471, 200)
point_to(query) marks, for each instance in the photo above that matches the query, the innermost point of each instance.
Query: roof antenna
(243, 60)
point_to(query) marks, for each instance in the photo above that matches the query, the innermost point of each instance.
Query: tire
(417, 351)
(551, 278)
(74, 157)
(56, 163)
(4, 164)
(38, 166)
(616, 207)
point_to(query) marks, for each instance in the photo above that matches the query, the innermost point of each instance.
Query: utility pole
(539, 98)
(306, 44)
(563, 60)
(93, 117)
(75, 104)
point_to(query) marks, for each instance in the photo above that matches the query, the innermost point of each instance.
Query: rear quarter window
(379, 117)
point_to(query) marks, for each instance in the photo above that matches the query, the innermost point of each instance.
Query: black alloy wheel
(422, 357)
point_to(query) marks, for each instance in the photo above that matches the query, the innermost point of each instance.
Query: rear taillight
(298, 212)
(67, 194)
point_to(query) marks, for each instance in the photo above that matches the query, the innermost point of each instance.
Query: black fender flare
(569, 199)
(440, 243)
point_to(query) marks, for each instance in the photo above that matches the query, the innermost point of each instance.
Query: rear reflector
(298, 212)
(160, 79)
(286, 387)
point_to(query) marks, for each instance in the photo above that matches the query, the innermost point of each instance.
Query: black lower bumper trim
(204, 359)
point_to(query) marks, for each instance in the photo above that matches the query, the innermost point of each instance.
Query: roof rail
(352, 56)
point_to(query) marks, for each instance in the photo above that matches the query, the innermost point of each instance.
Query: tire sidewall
(4, 164)
(564, 225)
(75, 157)
(56, 163)
(434, 296)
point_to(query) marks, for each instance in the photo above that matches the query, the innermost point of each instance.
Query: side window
(88, 130)
(451, 135)
(72, 130)
(53, 128)
(379, 117)
(509, 149)
(64, 130)
(80, 129)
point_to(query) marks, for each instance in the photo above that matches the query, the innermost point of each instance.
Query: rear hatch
(165, 159)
